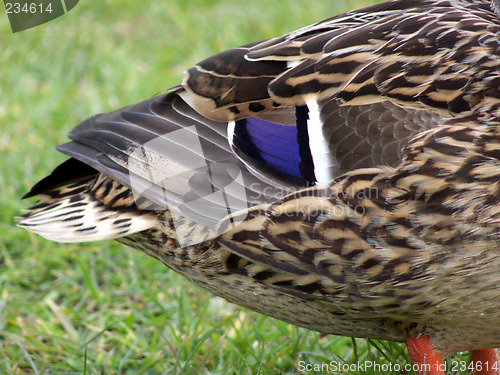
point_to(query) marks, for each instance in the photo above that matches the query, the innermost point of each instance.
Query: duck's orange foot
(485, 362)
(425, 359)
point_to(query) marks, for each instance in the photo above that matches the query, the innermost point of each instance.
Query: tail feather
(76, 214)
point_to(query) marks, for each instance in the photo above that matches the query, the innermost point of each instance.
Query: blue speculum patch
(274, 144)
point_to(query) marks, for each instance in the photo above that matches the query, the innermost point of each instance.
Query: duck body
(344, 177)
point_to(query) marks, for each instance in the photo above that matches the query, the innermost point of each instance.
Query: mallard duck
(344, 177)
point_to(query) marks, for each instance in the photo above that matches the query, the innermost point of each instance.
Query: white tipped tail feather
(81, 216)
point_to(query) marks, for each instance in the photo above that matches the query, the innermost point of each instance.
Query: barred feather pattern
(424, 54)
(96, 210)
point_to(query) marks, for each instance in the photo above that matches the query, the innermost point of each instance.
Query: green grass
(100, 308)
